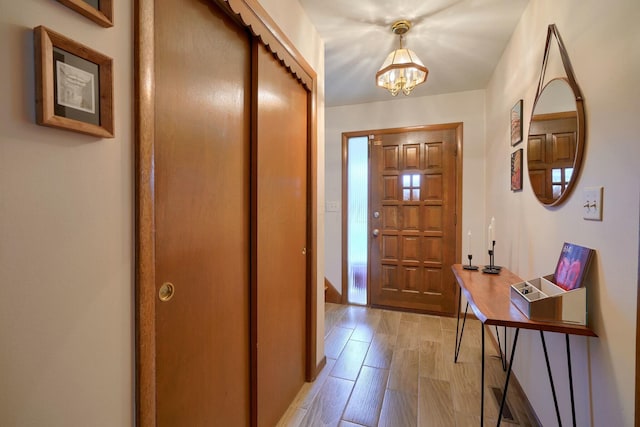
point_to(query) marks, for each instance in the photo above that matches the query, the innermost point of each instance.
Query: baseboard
(514, 384)
(318, 369)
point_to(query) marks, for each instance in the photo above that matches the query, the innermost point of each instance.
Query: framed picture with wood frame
(516, 170)
(516, 123)
(74, 85)
(99, 11)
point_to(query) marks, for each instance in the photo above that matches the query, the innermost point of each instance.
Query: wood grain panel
(424, 229)
(411, 217)
(536, 149)
(435, 409)
(432, 361)
(328, 406)
(411, 156)
(411, 280)
(390, 248)
(433, 249)
(391, 187)
(430, 328)
(380, 351)
(366, 399)
(391, 159)
(399, 409)
(433, 187)
(403, 373)
(410, 249)
(433, 281)
(201, 245)
(390, 217)
(280, 192)
(390, 277)
(432, 218)
(434, 154)
(564, 147)
(350, 360)
(336, 340)
(389, 322)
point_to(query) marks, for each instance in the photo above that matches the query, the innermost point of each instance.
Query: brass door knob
(166, 291)
(376, 232)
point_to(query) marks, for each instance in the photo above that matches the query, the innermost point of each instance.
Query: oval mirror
(556, 142)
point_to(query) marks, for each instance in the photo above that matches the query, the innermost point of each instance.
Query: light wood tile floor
(387, 368)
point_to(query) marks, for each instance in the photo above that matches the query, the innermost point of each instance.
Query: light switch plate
(592, 203)
(332, 206)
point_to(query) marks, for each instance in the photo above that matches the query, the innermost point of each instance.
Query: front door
(413, 219)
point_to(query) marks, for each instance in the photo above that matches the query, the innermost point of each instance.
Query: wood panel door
(551, 151)
(412, 216)
(280, 237)
(202, 199)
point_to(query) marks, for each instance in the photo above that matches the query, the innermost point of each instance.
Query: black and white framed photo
(99, 11)
(74, 85)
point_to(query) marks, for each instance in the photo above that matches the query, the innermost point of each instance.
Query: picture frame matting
(74, 85)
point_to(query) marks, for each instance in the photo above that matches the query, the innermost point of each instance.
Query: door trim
(458, 127)
(256, 20)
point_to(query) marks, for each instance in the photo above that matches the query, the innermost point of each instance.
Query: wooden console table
(489, 298)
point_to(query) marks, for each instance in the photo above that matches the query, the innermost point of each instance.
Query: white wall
(66, 237)
(602, 39)
(294, 22)
(465, 107)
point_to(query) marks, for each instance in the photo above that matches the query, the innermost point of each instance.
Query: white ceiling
(460, 42)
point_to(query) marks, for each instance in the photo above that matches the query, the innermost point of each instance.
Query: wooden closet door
(202, 181)
(281, 236)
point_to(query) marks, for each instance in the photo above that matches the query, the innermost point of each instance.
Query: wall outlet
(592, 203)
(332, 206)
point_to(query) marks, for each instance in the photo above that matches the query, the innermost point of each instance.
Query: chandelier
(402, 70)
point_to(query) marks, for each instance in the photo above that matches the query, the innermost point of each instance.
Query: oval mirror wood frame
(580, 118)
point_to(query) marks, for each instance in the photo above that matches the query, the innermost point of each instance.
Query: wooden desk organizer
(541, 299)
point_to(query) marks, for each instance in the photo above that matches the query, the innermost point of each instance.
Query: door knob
(166, 291)
(376, 232)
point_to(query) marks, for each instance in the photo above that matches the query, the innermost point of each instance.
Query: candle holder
(470, 266)
(491, 268)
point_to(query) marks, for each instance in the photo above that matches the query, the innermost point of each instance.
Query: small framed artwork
(516, 123)
(74, 85)
(99, 11)
(516, 170)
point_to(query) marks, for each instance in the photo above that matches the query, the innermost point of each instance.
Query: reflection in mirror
(552, 148)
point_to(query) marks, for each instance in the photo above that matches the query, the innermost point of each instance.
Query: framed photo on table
(516, 123)
(516, 170)
(99, 11)
(74, 85)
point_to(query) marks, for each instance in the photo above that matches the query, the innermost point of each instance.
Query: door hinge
(455, 219)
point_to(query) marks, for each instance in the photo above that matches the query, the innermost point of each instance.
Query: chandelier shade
(402, 71)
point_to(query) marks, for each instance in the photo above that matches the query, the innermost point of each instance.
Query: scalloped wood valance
(258, 21)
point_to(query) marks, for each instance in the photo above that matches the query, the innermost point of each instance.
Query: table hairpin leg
(506, 383)
(482, 382)
(503, 359)
(553, 388)
(573, 404)
(459, 339)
